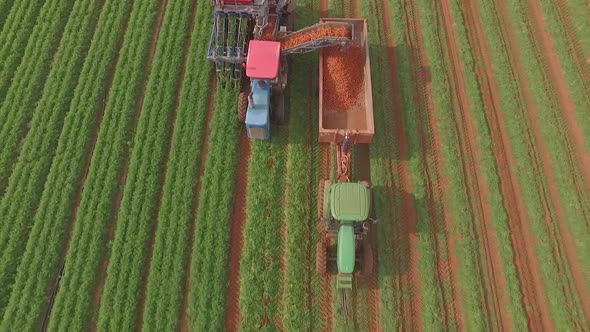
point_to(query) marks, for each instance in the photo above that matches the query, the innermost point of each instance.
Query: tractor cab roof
(350, 201)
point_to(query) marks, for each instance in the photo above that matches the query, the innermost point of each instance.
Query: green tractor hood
(350, 201)
(346, 249)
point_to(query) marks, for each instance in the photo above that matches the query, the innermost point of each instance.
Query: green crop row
(301, 233)
(261, 284)
(169, 261)
(26, 183)
(73, 306)
(575, 201)
(210, 255)
(5, 6)
(48, 235)
(15, 35)
(120, 303)
(580, 16)
(470, 274)
(500, 221)
(571, 69)
(29, 79)
(529, 178)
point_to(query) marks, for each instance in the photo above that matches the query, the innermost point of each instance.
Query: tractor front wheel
(321, 258)
(368, 260)
(242, 106)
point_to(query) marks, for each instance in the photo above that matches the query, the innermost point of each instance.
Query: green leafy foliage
(25, 185)
(48, 235)
(169, 261)
(16, 27)
(120, 303)
(210, 255)
(73, 306)
(30, 77)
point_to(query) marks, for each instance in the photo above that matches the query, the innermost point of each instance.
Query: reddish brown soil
(324, 8)
(522, 238)
(437, 185)
(184, 323)
(315, 33)
(238, 221)
(560, 85)
(406, 240)
(477, 187)
(561, 239)
(343, 73)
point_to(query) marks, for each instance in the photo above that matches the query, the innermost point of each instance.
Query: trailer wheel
(242, 106)
(368, 263)
(321, 258)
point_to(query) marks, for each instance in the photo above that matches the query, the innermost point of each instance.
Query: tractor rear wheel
(368, 263)
(321, 258)
(242, 106)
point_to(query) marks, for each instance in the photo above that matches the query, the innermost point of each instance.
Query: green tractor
(344, 209)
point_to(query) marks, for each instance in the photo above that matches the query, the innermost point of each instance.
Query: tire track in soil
(521, 236)
(187, 45)
(437, 186)
(124, 172)
(184, 319)
(560, 87)
(238, 221)
(406, 241)
(477, 187)
(562, 243)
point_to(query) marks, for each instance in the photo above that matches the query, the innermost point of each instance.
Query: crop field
(131, 197)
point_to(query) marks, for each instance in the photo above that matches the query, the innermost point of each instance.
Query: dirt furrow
(477, 186)
(564, 249)
(238, 220)
(526, 260)
(436, 185)
(124, 172)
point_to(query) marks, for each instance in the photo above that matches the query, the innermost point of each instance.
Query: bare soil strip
(522, 238)
(560, 85)
(238, 221)
(111, 233)
(437, 185)
(563, 244)
(477, 187)
(184, 321)
(406, 240)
